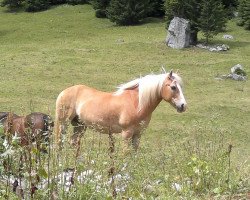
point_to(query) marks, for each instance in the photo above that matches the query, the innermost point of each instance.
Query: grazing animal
(29, 128)
(128, 110)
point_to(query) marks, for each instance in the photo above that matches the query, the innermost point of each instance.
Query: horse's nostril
(182, 106)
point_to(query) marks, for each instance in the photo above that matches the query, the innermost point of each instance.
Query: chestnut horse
(30, 128)
(128, 110)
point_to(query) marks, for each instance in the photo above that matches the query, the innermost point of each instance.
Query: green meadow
(43, 53)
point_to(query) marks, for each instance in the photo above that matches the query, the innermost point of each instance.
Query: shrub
(12, 4)
(56, 2)
(100, 13)
(244, 14)
(36, 5)
(100, 6)
(157, 8)
(212, 18)
(76, 2)
(128, 12)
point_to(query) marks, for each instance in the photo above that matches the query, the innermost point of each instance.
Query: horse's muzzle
(181, 108)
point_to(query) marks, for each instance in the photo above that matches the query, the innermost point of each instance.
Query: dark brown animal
(33, 127)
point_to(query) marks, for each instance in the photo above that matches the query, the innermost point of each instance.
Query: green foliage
(76, 2)
(202, 164)
(230, 3)
(100, 6)
(57, 2)
(128, 12)
(36, 5)
(12, 4)
(157, 8)
(230, 7)
(174, 8)
(244, 14)
(100, 13)
(212, 18)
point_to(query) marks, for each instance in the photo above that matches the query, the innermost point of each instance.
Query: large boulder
(178, 33)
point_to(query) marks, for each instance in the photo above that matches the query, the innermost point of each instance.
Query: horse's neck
(147, 109)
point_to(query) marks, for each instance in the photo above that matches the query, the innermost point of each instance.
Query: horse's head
(171, 92)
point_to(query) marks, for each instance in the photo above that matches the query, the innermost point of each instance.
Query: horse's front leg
(131, 137)
(136, 141)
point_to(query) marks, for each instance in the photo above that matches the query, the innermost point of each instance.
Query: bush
(128, 12)
(212, 18)
(56, 2)
(157, 8)
(36, 5)
(244, 14)
(76, 2)
(100, 13)
(100, 6)
(12, 4)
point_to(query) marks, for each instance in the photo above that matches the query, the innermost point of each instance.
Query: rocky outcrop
(216, 48)
(237, 73)
(178, 33)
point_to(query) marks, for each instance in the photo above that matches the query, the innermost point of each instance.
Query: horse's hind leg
(78, 128)
(63, 113)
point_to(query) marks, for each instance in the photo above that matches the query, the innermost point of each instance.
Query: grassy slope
(43, 53)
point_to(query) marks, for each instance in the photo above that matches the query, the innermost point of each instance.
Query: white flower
(5, 144)
(176, 186)
(15, 137)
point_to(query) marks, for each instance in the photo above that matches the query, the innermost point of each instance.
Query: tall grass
(200, 166)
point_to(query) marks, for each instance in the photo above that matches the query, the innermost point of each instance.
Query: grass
(43, 53)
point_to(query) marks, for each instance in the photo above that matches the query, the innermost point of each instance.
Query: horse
(127, 111)
(32, 127)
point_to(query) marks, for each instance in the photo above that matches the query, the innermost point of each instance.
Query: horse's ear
(170, 74)
(163, 70)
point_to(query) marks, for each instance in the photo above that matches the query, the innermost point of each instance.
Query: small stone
(237, 67)
(228, 37)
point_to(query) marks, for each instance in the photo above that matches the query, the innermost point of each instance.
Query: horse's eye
(173, 87)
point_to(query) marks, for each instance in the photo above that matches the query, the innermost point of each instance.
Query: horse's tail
(59, 120)
(57, 123)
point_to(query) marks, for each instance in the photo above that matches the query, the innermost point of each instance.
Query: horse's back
(67, 99)
(4, 115)
(38, 121)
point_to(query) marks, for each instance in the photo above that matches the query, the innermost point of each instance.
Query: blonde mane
(149, 87)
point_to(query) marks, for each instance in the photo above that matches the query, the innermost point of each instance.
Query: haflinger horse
(33, 127)
(127, 111)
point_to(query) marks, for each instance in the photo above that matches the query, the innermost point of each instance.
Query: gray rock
(219, 47)
(237, 74)
(178, 33)
(228, 37)
(202, 46)
(237, 67)
(239, 77)
(214, 48)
